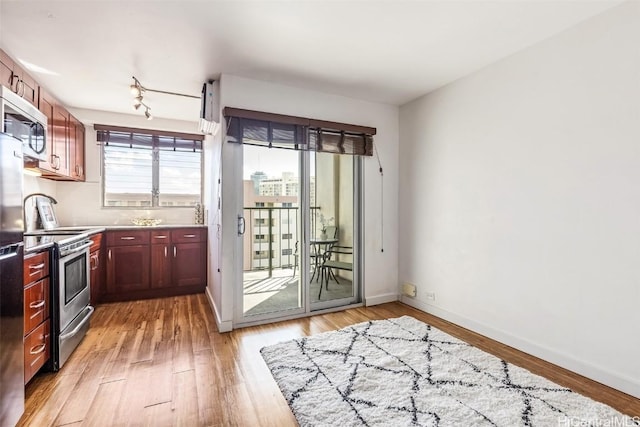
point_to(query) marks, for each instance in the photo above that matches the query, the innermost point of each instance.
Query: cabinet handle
(159, 237)
(38, 349)
(165, 251)
(97, 261)
(37, 266)
(77, 170)
(127, 238)
(175, 251)
(189, 236)
(22, 85)
(37, 304)
(109, 254)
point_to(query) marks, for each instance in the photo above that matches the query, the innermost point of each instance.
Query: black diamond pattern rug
(403, 372)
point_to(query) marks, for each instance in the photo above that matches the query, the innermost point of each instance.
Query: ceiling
(384, 51)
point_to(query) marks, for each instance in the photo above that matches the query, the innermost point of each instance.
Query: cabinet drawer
(37, 350)
(36, 267)
(161, 236)
(97, 241)
(186, 235)
(128, 238)
(36, 304)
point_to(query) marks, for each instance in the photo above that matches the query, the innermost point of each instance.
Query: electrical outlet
(409, 290)
(431, 296)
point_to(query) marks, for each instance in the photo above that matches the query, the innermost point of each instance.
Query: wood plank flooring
(162, 362)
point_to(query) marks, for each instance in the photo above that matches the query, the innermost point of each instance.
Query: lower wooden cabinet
(155, 263)
(37, 330)
(37, 349)
(96, 268)
(127, 269)
(188, 265)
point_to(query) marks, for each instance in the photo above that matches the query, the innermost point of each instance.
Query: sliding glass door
(272, 244)
(333, 249)
(299, 238)
(300, 241)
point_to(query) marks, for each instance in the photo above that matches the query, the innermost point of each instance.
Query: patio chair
(329, 264)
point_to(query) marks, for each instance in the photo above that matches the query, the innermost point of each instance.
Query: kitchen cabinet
(6, 70)
(96, 268)
(128, 262)
(60, 140)
(155, 263)
(13, 76)
(189, 257)
(57, 163)
(66, 134)
(178, 258)
(76, 149)
(66, 147)
(161, 259)
(37, 329)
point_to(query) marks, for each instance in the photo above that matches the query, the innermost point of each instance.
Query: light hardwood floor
(162, 362)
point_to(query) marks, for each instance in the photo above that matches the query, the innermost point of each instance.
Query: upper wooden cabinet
(66, 135)
(65, 151)
(76, 144)
(13, 76)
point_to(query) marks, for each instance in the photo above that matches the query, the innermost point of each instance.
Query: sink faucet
(24, 206)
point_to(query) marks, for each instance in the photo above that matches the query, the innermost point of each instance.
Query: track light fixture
(137, 90)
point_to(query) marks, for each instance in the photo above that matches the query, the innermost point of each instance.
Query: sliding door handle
(241, 225)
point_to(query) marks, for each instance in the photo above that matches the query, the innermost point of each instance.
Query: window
(287, 251)
(259, 204)
(262, 254)
(146, 168)
(261, 221)
(287, 236)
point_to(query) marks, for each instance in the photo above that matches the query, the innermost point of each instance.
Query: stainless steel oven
(73, 294)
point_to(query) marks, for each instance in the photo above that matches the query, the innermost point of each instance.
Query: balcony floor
(263, 294)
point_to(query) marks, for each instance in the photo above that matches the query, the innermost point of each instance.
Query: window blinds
(141, 138)
(298, 133)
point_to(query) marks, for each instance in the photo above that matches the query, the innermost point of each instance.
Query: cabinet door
(24, 85)
(6, 70)
(37, 350)
(127, 268)
(36, 304)
(76, 144)
(161, 266)
(189, 264)
(46, 104)
(95, 275)
(60, 140)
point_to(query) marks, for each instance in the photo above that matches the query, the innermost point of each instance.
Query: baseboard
(583, 368)
(380, 299)
(222, 326)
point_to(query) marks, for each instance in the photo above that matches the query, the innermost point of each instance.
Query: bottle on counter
(199, 214)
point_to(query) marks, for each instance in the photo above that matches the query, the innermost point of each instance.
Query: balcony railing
(270, 238)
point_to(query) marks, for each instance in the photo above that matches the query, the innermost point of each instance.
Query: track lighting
(137, 90)
(137, 102)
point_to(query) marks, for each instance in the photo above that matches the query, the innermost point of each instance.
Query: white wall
(520, 199)
(380, 268)
(80, 203)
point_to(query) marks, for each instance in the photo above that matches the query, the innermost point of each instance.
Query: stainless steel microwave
(25, 122)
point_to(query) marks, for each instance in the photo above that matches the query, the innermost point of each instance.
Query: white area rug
(402, 372)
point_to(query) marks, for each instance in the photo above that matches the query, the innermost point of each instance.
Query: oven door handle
(78, 249)
(75, 330)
